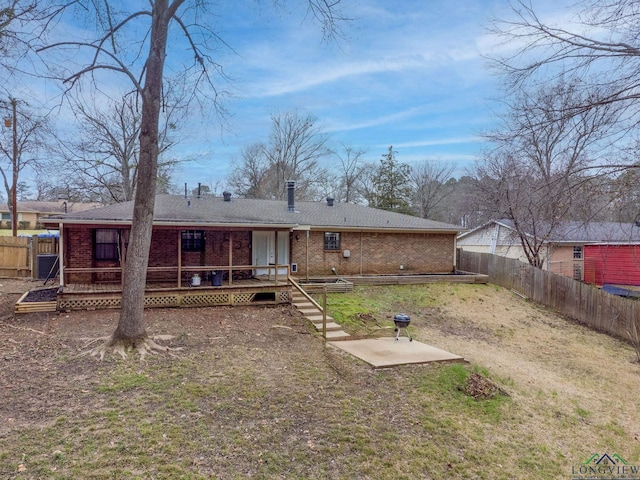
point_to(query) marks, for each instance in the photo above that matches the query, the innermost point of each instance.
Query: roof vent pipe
(227, 196)
(199, 189)
(330, 201)
(291, 188)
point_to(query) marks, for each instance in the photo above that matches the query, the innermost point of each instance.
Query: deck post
(276, 259)
(179, 258)
(230, 257)
(61, 254)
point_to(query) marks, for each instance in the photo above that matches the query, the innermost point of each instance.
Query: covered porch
(188, 266)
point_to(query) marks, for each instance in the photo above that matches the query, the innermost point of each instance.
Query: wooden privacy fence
(18, 255)
(585, 303)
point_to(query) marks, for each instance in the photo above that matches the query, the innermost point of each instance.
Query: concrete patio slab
(389, 352)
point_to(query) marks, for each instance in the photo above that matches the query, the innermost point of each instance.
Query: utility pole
(13, 123)
(14, 183)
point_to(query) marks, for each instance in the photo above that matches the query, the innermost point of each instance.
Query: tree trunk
(131, 329)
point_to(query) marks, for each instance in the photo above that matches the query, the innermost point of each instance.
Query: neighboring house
(240, 238)
(497, 237)
(595, 252)
(30, 213)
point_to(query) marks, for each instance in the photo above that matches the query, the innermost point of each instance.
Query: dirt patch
(41, 295)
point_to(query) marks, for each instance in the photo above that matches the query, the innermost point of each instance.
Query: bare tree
(22, 145)
(431, 187)
(248, 176)
(348, 187)
(537, 170)
(20, 23)
(104, 161)
(296, 146)
(294, 151)
(600, 55)
(145, 71)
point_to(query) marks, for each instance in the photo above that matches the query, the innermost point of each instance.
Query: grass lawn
(7, 232)
(255, 393)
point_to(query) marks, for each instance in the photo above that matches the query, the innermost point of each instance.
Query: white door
(264, 251)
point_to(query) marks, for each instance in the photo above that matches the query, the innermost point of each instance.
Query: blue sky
(409, 74)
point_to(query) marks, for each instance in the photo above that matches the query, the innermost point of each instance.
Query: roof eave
(166, 223)
(342, 228)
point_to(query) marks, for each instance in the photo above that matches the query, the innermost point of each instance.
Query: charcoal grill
(402, 321)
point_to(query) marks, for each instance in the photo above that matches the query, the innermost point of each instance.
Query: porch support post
(307, 255)
(276, 259)
(230, 257)
(61, 254)
(179, 258)
(123, 255)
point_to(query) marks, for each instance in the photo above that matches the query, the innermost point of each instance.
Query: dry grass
(256, 394)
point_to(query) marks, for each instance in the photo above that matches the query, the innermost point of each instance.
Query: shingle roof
(58, 208)
(212, 210)
(582, 232)
(596, 232)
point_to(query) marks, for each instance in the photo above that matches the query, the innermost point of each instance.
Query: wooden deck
(243, 292)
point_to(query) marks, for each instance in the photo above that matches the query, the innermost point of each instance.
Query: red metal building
(612, 264)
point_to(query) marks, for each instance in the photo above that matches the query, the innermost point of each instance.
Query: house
(31, 212)
(594, 252)
(227, 242)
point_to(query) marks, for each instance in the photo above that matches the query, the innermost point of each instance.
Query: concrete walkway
(378, 352)
(389, 352)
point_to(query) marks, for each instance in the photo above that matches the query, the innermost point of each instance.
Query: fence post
(34, 256)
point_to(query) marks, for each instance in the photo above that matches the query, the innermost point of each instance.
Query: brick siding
(78, 253)
(375, 253)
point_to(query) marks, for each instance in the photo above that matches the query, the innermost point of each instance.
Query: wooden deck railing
(272, 271)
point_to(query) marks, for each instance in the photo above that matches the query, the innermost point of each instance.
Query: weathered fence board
(14, 257)
(18, 255)
(585, 303)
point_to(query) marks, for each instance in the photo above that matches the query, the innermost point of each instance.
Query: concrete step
(338, 335)
(331, 326)
(305, 304)
(317, 318)
(309, 311)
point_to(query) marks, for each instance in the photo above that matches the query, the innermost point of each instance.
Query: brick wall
(78, 253)
(164, 251)
(375, 253)
(370, 253)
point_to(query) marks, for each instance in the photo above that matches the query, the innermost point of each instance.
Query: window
(577, 272)
(6, 216)
(331, 241)
(107, 244)
(193, 241)
(577, 253)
